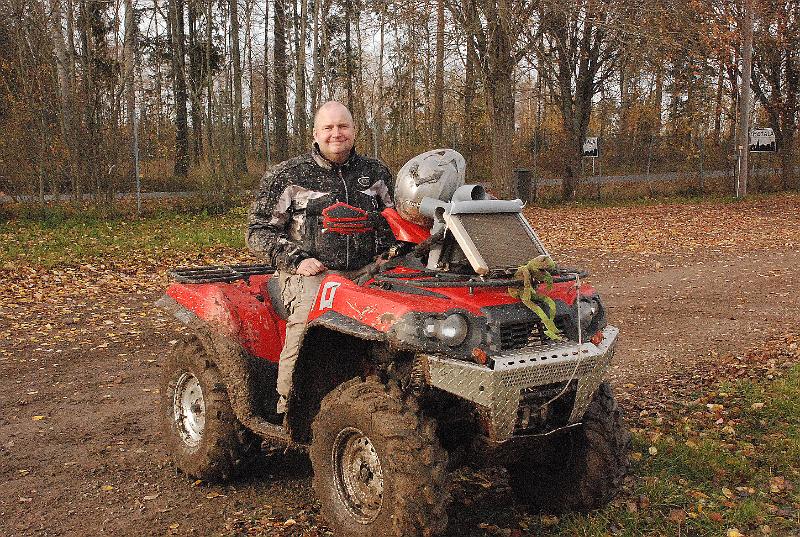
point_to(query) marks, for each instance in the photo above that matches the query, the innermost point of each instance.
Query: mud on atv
(429, 365)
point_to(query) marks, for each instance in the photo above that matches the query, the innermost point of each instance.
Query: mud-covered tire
(404, 492)
(580, 470)
(206, 441)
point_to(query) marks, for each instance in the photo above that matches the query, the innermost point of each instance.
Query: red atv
(427, 365)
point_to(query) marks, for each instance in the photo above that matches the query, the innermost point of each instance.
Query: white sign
(591, 148)
(762, 140)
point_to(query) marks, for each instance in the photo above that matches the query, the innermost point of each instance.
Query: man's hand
(310, 266)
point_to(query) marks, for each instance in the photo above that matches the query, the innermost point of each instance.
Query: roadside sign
(762, 140)
(591, 148)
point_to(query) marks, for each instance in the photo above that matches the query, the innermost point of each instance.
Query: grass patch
(69, 240)
(727, 462)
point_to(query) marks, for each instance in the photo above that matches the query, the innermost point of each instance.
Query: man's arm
(268, 221)
(385, 235)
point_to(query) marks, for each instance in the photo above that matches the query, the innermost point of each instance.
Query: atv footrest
(221, 273)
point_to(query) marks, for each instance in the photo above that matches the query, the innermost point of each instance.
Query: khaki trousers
(298, 294)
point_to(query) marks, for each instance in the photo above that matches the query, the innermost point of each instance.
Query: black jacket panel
(286, 221)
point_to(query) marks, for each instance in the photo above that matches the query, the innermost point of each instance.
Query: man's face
(334, 132)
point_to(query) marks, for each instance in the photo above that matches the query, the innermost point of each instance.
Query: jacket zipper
(346, 237)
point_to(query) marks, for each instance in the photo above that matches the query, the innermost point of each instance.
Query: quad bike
(428, 365)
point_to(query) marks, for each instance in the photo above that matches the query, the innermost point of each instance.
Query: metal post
(744, 101)
(136, 162)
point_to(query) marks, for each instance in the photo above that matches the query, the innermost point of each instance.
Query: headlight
(587, 309)
(452, 330)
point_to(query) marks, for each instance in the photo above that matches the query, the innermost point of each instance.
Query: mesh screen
(501, 238)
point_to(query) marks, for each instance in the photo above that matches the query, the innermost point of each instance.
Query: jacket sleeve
(268, 223)
(384, 235)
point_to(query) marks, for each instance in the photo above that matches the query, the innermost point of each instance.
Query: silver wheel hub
(357, 474)
(189, 409)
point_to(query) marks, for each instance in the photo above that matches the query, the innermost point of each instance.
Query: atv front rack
(433, 278)
(218, 273)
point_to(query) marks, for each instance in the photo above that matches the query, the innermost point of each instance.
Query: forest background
(204, 95)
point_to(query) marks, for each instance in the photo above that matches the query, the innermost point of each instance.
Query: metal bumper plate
(498, 390)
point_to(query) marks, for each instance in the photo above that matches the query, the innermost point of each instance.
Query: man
(318, 213)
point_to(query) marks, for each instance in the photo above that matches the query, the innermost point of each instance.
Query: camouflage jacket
(286, 219)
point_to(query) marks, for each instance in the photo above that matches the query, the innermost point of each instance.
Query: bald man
(315, 214)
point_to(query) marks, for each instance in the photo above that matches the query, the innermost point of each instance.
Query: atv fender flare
(230, 357)
(335, 349)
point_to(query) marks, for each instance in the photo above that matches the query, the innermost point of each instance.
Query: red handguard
(346, 219)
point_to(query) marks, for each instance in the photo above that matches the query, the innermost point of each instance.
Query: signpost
(591, 147)
(762, 140)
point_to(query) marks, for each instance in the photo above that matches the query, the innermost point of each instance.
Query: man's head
(334, 131)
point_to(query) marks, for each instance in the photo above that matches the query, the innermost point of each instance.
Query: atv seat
(275, 298)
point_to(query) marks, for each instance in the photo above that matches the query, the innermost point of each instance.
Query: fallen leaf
(678, 516)
(38, 418)
(733, 532)
(777, 484)
(106, 488)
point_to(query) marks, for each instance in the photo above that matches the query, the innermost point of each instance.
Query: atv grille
(520, 334)
(214, 274)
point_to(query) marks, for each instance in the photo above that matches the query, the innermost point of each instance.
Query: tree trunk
(209, 85)
(130, 64)
(181, 167)
(316, 80)
(500, 93)
(248, 39)
(195, 85)
(438, 92)
(65, 69)
(718, 104)
(301, 27)
(379, 98)
(348, 51)
(265, 122)
(238, 131)
(281, 81)
(469, 96)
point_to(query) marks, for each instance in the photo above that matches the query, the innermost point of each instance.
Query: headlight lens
(452, 330)
(587, 310)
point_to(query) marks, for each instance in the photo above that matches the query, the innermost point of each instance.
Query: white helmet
(435, 174)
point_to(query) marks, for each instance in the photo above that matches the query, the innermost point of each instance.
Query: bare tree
(499, 31)
(181, 168)
(281, 78)
(438, 91)
(238, 130)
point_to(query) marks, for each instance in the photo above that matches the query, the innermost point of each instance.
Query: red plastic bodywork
(242, 310)
(403, 229)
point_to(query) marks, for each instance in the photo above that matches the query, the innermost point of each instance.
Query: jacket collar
(320, 159)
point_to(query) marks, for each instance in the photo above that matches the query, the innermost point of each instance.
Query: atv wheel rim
(357, 475)
(189, 409)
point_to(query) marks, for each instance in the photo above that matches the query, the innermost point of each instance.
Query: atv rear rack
(218, 273)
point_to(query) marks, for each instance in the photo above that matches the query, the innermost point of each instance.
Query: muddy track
(80, 453)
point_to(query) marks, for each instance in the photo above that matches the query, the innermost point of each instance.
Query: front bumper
(497, 390)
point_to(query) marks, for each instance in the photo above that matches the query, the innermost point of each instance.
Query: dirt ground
(80, 353)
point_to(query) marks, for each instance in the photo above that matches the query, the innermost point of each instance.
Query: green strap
(532, 273)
